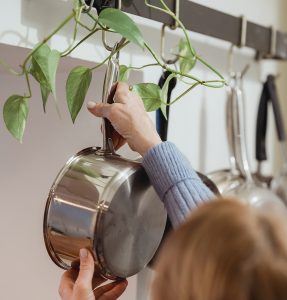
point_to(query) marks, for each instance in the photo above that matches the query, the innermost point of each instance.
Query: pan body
(104, 203)
(225, 180)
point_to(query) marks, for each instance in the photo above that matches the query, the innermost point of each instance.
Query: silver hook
(273, 42)
(88, 8)
(121, 42)
(111, 48)
(243, 34)
(162, 44)
(162, 40)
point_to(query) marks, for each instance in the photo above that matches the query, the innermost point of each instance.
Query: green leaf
(163, 110)
(44, 68)
(163, 94)
(164, 90)
(45, 92)
(15, 113)
(186, 59)
(76, 89)
(124, 73)
(122, 24)
(150, 94)
(53, 62)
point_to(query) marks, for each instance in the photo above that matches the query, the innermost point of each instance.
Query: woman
(172, 176)
(224, 251)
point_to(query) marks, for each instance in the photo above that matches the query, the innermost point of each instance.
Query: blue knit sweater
(176, 183)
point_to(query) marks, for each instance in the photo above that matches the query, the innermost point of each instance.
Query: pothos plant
(42, 63)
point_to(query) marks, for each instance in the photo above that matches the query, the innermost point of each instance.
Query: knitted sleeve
(175, 181)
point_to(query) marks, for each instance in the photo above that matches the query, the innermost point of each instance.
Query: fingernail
(91, 105)
(83, 253)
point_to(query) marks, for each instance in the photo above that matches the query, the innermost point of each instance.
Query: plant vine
(42, 63)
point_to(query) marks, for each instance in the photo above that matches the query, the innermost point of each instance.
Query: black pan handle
(273, 95)
(261, 125)
(161, 121)
(269, 94)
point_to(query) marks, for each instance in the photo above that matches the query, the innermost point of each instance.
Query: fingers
(122, 93)
(83, 284)
(86, 266)
(99, 109)
(118, 140)
(67, 283)
(111, 291)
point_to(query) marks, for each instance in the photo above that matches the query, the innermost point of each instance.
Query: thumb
(99, 109)
(83, 284)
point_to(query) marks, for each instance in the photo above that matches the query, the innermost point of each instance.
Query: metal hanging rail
(267, 41)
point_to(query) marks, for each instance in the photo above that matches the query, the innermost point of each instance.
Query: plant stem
(77, 16)
(184, 93)
(28, 83)
(71, 16)
(164, 66)
(9, 69)
(169, 12)
(80, 42)
(154, 7)
(92, 17)
(108, 57)
(142, 67)
(209, 66)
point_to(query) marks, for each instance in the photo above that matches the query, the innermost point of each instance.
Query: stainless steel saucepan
(249, 191)
(105, 203)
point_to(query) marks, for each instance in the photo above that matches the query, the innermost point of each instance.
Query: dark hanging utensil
(261, 128)
(161, 121)
(269, 94)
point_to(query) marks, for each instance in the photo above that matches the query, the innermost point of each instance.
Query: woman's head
(224, 251)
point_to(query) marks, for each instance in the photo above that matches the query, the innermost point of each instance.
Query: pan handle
(276, 108)
(269, 93)
(261, 126)
(161, 121)
(238, 113)
(230, 130)
(109, 89)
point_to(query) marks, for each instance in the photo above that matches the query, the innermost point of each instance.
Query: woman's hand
(79, 284)
(129, 119)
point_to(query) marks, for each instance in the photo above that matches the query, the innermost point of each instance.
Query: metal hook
(88, 8)
(162, 44)
(121, 42)
(231, 60)
(162, 40)
(109, 48)
(243, 34)
(232, 73)
(273, 42)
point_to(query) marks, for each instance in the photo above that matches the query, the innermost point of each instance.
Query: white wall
(27, 170)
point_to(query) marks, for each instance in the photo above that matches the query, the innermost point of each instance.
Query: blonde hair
(224, 251)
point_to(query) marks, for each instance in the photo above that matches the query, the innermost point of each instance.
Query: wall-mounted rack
(267, 41)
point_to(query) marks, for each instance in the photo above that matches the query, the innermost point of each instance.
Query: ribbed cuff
(166, 166)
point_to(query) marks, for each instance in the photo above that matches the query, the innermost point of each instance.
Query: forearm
(176, 183)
